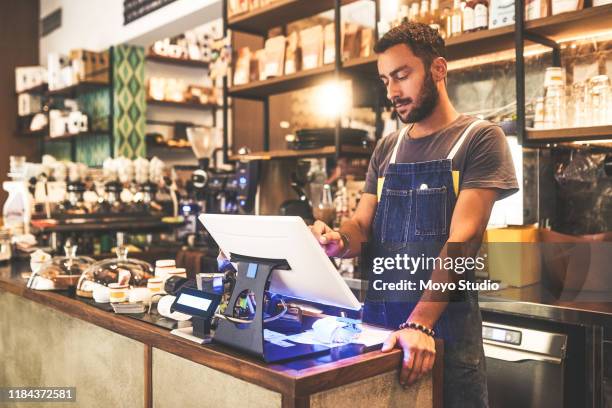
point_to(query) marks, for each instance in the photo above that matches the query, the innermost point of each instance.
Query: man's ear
(438, 69)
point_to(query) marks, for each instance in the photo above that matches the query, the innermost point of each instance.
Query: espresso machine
(247, 178)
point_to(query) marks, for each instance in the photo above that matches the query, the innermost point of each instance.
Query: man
(433, 182)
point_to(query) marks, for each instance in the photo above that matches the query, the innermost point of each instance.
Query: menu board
(135, 9)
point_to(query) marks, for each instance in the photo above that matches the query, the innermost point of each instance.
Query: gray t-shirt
(483, 161)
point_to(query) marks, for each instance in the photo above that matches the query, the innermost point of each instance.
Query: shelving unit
(259, 22)
(549, 31)
(546, 31)
(170, 115)
(72, 91)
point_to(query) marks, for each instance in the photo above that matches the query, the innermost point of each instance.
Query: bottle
(17, 210)
(404, 15)
(435, 18)
(434, 14)
(325, 210)
(456, 23)
(468, 16)
(447, 23)
(414, 12)
(481, 15)
(424, 15)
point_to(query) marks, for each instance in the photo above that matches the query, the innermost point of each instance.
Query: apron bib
(413, 217)
(415, 206)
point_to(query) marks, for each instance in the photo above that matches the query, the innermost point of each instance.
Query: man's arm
(468, 224)
(356, 229)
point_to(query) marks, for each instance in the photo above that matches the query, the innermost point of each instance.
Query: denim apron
(416, 203)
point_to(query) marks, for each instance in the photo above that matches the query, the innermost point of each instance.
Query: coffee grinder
(200, 190)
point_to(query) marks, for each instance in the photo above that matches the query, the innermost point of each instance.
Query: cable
(269, 319)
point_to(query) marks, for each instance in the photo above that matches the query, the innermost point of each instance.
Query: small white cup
(118, 292)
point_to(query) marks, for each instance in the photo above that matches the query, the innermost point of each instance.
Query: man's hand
(419, 353)
(330, 240)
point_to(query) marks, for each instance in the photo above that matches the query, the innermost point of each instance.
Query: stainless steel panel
(534, 341)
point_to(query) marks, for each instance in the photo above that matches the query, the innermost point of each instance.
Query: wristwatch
(345, 244)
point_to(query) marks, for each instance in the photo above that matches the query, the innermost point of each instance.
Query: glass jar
(599, 100)
(60, 272)
(538, 120)
(6, 246)
(554, 76)
(121, 270)
(554, 107)
(577, 107)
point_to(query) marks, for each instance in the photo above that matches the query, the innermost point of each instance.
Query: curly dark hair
(424, 41)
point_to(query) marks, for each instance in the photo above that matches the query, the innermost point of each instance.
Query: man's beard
(427, 101)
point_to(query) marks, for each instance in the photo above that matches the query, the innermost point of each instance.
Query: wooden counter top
(320, 374)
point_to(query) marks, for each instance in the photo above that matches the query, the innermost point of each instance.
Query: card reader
(202, 307)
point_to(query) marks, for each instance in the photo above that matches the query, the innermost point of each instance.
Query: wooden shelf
(281, 12)
(69, 136)
(569, 134)
(286, 83)
(76, 89)
(85, 223)
(480, 43)
(182, 105)
(582, 23)
(34, 133)
(36, 90)
(178, 61)
(347, 150)
(154, 145)
(463, 46)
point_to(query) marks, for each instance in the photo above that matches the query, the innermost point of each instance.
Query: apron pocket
(396, 214)
(431, 211)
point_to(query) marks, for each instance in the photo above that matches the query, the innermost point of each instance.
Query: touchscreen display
(194, 302)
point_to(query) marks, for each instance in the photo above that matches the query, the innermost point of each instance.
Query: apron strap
(400, 137)
(459, 142)
(452, 153)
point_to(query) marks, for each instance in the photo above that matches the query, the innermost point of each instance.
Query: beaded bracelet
(417, 326)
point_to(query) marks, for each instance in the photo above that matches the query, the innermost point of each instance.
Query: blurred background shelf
(36, 90)
(73, 136)
(346, 150)
(178, 61)
(76, 89)
(187, 105)
(286, 83)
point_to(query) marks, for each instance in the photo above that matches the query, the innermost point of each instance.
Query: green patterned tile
(92, 149)
(129, 110)
(60, 149)
(96, 104)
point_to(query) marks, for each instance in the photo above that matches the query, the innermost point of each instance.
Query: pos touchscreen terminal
(278, 254)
